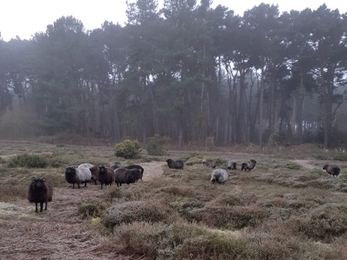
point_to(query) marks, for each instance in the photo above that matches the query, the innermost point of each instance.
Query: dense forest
(187, 71)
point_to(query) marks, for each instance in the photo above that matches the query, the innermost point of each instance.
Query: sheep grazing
(93, 169)
(106, 176)
(175, 164)
(116, 165)
(231, 165)
(40, 191)
(333, 170)
(209, 163)
(123, 175)
(78, 175)
(219, 175)
(135, 166)
(248, 166)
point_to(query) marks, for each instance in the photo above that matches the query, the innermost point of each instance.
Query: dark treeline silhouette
(187, 71)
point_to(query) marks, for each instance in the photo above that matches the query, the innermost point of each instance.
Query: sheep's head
(37, 183)
(253, 161)
(102, 169)
(325, 166)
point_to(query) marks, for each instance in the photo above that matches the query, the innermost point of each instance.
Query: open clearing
(61, 233)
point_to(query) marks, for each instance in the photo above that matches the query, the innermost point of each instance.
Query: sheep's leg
(73, 185)
(45, 205)
(36, 207)
(85, 184)
(78, 184)
(41, 206)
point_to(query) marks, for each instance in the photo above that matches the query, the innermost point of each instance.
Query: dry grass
(285, 208)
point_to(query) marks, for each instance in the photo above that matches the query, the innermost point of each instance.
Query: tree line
(187, 71)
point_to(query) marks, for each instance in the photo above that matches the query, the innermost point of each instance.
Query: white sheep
(219, 175)
(78, 175)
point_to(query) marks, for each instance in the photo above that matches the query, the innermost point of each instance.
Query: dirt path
(59, 232)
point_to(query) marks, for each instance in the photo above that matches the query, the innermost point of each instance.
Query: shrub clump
(131, 211)
(325, 223)
(27, 160)
(128, 149)
(155, 145)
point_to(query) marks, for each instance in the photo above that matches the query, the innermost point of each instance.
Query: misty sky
(26, 17)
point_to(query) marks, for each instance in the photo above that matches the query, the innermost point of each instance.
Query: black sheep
(40, 191)
(175, 164)
(248, 166)
(333, 170)
(105, 176)
(123, 175)
(135, 166)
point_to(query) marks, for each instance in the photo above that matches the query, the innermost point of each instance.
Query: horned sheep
(40, 191)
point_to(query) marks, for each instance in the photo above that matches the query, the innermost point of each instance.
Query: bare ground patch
(59, 232)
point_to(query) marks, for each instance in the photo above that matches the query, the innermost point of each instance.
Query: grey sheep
(123, 175)
(248, 166)
(333, 170)
(175, 164)
(135, 166)
(116, 165)
(219, 175)
(78, 175)
(105, 176)
(231, 165)
(40, 191)
(93, 169)
(209, 163)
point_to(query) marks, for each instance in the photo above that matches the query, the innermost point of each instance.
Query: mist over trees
(187, 71)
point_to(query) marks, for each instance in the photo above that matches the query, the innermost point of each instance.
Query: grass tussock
(178, 240)
(236, 217)
(128, 212)
(324, 223)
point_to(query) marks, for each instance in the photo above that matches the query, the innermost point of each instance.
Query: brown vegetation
(282, 209)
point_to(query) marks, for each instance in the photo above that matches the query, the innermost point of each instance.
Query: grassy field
(285, 208)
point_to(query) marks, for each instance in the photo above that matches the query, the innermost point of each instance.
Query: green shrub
(128, 149)
(155, 145)
(27, 160)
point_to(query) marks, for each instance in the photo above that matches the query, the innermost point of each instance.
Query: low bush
(27, 160)
(128, 212)
(128, 149)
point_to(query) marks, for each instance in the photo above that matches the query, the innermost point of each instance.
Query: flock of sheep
(41, 190)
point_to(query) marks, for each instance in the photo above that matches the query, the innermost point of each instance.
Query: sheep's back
(83, 174)
(123, 175)
(85, 165)
(220, 175)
